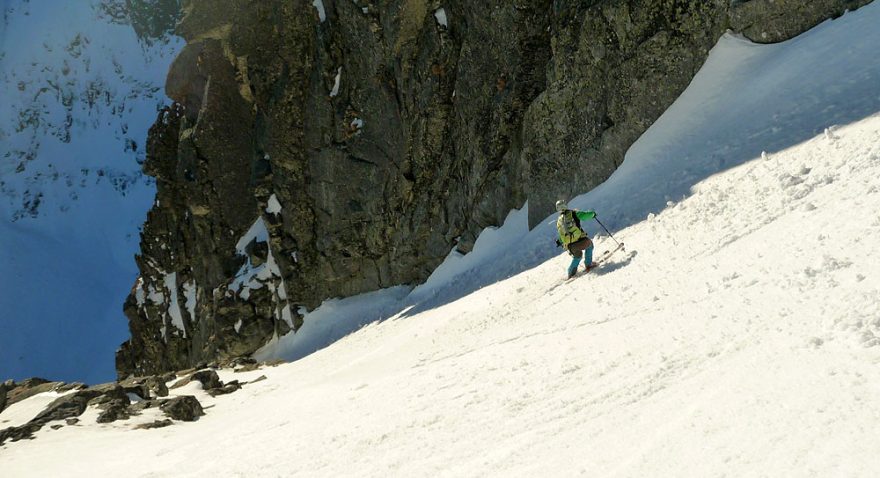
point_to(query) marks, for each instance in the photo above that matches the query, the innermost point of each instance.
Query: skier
(573, 238)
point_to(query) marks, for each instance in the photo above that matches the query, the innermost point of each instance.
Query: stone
(19, 433)
(67, 407)
(106, 395)
(185, 408)
(71, 421)
(114, 411)
(225, 389)
(28, 388)
(145, 387)
(247, 368)
(157, 386)
(141, 390)
(32, 382)
(154, 424)
(239, 362)
(208, 378)
(70, 386)
(137, 407)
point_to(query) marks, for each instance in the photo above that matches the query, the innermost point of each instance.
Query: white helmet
(561, 205)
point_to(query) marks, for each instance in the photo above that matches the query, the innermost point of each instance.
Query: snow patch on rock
(273, 206)
(440, 16)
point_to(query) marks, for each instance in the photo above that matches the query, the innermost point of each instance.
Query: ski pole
(609, 232)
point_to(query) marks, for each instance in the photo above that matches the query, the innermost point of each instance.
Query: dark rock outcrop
(137, 407)
(186, 408)
(208, 378)
(74, 404)
(114, 400)
(210, 381)
(155, 424)
(4, 387)
(23, 432)
(308, 158)
(225, 389)
(65, 407)
(145, 387)
(28, 388)
(114, 411)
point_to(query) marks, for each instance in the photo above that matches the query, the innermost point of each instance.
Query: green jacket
(569, 225)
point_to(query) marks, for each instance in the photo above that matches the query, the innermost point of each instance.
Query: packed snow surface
(737, 335)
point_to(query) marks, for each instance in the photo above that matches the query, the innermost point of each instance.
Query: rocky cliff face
(326, 148)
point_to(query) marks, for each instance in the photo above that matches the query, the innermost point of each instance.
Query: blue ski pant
(578, 250)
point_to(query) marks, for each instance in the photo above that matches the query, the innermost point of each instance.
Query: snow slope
(738, 335)
(80, 91)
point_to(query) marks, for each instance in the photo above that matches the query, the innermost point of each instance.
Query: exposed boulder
(306, 159)
(145, 387)
(19, 433)
(247, 368)
(224, 389)
(154, 424)
(208, 379)
(28, 388)
(186, 408)
(113, 411)
(66, 407)
(137, 407)
(66, 387)
(74, 404)
(240, 362)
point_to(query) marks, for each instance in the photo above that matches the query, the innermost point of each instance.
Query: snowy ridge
(739, 335)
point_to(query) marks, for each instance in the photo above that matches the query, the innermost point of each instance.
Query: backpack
(568, 228)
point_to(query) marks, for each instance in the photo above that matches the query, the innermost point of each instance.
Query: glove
(558, 243)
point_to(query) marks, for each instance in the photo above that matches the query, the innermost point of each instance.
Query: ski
(596, 263)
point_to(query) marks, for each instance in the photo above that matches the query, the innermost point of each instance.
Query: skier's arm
(585, 215)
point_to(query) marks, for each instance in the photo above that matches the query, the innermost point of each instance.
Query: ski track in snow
(738, 335)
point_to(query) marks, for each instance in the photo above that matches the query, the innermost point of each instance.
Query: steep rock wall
(322, 149)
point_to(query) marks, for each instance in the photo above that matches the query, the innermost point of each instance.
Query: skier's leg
(572, 269)
(575, 260)
(588, 257)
